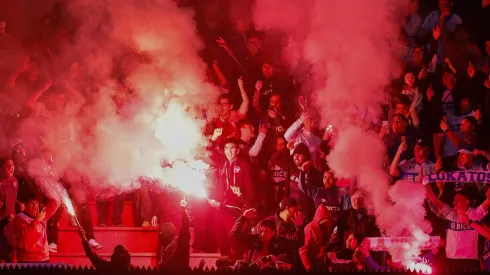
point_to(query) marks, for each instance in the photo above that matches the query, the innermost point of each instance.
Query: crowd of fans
(274, 201)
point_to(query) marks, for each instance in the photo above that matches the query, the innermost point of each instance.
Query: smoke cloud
(353, 47)
(143, 82)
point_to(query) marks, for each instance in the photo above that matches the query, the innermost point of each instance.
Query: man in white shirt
(301, 131)
(461, 238)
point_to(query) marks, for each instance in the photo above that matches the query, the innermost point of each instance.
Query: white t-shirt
(410, 169)
(461, 239)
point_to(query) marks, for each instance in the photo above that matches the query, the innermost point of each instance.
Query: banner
(459, 176)
(383, 243)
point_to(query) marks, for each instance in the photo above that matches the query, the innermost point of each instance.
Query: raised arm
(293, 131)
(32, 101)
(243, 110)
(255, 150)
(394, 169)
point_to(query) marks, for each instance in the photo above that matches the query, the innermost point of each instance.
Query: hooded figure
(120, 258)
(317, 236)
(175, 249)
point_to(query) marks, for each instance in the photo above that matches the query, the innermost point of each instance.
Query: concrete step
(136, 239)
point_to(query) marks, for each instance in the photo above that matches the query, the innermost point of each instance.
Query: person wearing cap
(461, 239)
(467, 161)
(317, 236)
(289, 225)
(409, 169)
(302, 176)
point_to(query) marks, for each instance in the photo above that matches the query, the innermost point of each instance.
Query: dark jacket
(299, 182)
(176, 255)
(254, 244)
(332, 198)
(289, 238)
(236, 174)
(102, 264)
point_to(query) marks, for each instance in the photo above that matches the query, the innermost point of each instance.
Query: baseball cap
(422, 142)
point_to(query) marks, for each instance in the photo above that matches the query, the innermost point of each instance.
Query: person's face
(247, 131)
(309, 124)
(357, 201)
(32, 207)
(299, 159)
(448, 79)
(465, 105)
(225, 106)
(466, 126)
(401, 109)
(267, 70)
(421, 152)
(253, 45)
(328, 179)
(461, 202)
(275, 102)
(465, 160)
(413, 6)
(351, 242)
(409, 79)
(8, 168)
(398, 125)
(280, 144)
(418, 55)
(59, 101)
(231, 151)
(444, 4)
(266, 233)
(292, 211)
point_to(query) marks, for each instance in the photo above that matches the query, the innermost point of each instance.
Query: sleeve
(445, 212)
(95, 259)
(476, 214)
(184, 238)
(51, 207)
(303, 251)
(255, 150)
(293, 131)
(247, 239)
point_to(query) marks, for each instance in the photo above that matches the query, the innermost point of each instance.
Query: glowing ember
(68, 204)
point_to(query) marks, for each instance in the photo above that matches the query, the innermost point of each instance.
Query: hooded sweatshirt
(176, 255)
(315, 239)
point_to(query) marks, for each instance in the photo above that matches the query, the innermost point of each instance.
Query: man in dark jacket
(175, 249)
(303, 174)
(120, 258)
